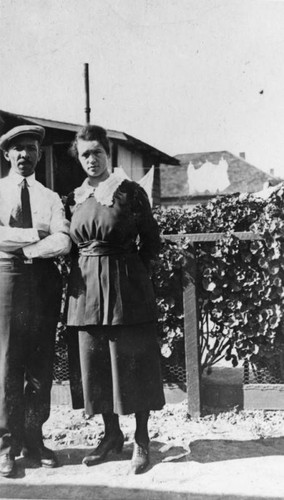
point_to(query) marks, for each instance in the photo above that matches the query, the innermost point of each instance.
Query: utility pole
(87, 92)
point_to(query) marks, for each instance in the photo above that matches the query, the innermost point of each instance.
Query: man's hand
(43, 230)
(42, 234)
(19, 252)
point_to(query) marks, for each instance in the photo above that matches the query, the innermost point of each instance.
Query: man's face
(23, 153)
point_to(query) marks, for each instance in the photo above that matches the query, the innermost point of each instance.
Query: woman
(110, 299)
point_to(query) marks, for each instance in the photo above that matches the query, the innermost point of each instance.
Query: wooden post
(49, 167)
(191, 333)
(191, 336)
(1, 165)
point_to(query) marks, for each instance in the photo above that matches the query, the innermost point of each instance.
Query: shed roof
(63, 132)
(241, 176)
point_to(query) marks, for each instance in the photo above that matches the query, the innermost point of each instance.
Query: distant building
(60, 172)
(201, 176)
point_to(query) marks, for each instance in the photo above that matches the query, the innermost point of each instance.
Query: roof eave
(112, 134)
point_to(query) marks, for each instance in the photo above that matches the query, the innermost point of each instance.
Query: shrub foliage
(240, 284)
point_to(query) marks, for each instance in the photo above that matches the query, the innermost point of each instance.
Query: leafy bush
(240, 283)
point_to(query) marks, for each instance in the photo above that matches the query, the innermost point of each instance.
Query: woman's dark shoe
(140, 458)
(107, 444)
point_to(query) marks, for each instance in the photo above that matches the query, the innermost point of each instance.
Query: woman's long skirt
(120, 369)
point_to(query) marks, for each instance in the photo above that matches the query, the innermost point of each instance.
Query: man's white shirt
(47, 215)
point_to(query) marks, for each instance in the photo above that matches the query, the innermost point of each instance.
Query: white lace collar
(105, 190)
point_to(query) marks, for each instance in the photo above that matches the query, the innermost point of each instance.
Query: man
(33, 230)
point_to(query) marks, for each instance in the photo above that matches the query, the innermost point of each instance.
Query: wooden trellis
(191, 333)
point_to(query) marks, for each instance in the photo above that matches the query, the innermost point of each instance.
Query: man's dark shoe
(7, 465)
(42, 455)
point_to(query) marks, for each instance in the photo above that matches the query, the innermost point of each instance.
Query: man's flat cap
(32, 130)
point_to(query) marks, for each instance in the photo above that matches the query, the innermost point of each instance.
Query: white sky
(183, 75)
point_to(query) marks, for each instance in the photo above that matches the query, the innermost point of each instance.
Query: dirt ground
(172, 426)
(226, 455)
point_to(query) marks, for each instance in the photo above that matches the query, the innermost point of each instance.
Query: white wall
(132, 163)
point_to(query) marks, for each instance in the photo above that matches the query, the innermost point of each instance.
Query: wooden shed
(60, 172)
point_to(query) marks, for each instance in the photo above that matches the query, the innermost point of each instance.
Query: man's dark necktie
(21, 216)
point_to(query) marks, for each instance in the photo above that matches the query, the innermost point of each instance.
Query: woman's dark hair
(90, 133)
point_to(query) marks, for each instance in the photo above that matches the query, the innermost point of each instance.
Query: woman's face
(93, 159)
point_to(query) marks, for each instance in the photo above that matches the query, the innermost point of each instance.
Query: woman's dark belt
(97, 248)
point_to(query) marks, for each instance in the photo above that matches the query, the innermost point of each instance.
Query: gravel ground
(230, 455)
(172, 426)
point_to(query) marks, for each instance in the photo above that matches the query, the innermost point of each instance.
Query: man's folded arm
(14, 238)
(58, 241)
(51, 246)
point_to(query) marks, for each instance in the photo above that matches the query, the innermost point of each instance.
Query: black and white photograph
(142, 249)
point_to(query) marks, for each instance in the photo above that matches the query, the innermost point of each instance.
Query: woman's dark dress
(111, 302)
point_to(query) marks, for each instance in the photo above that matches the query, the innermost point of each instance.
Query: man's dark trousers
(30, 296)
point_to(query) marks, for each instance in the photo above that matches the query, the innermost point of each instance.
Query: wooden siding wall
(4, 166)
(136, 165)
(124, 160)
(131, 162)
(156, 193)
(49, 167)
